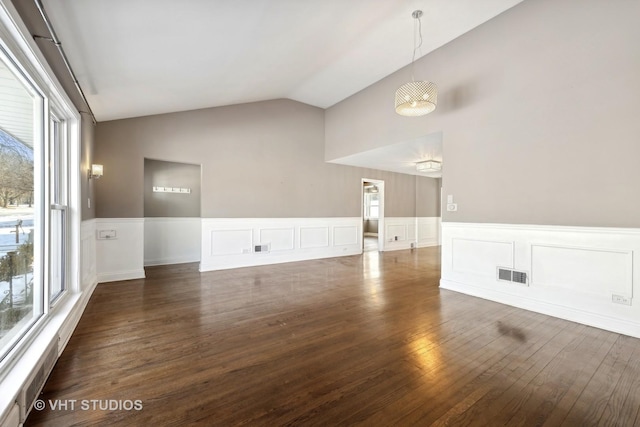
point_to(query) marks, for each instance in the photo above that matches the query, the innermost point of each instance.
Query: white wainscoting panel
(288, 239)
(398, 232)
(88, 268)
(279, 239)
(120, 257)
(481, 257)
(419, 231)
(345, 235)
(428, 231)
(597, 271)
(574, 272)
(231, 242)
(314, 237)
(88, 280)
(171, 240)
(404, 228)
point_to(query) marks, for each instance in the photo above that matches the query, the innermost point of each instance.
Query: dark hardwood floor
(362, 340)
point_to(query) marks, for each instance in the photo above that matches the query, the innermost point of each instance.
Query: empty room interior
(281, 212)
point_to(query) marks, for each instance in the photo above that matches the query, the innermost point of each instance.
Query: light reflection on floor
(426, 353)
(371, 273)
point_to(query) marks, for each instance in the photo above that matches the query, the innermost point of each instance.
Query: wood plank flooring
(363, 340)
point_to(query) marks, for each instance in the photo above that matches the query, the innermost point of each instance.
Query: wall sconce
(95, 172)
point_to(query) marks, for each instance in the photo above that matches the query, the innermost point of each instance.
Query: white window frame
(367, 205)
(18, 364)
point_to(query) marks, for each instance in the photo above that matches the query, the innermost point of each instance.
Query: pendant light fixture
(416, 98)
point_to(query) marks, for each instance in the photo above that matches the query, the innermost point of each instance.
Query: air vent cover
(30, 391)
(504, 274)
(519, 277)
(514, 276)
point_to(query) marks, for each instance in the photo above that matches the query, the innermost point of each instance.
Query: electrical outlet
(620, 299)
(107, 234)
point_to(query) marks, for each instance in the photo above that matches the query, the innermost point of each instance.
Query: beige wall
(263, 160)
(427, 196)
(538, 109)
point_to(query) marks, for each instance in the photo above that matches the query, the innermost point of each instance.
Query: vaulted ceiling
(142, 57)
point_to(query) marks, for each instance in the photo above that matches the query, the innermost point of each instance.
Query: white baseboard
(72, 321)
(621, 326)
(171, 260)
(573, 273)
(121, 275)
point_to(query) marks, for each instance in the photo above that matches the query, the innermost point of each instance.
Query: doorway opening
(172, 213)
(372, 215)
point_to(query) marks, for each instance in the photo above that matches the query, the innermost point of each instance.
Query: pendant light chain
(417, 42)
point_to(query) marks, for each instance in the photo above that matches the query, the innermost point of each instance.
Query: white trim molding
(88, 270)
(232, 242)
(584, 274)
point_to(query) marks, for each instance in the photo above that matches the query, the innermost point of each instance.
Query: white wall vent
(519, 277)
(504, 274)
(38, 377)
(261, 248)
(514, 276)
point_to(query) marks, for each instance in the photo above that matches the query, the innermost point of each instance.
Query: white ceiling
(142, 57)
(400, 157)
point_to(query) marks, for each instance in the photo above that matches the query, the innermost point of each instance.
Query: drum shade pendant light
(416, 98)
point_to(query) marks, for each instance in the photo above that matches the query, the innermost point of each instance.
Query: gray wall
(427, 196)
(538, 112)
(158, 173)
(263, 159)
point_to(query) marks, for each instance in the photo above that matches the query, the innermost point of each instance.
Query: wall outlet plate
(107, 234)
(452, 207)
(620, 299)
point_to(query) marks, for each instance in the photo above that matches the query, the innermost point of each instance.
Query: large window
(21, 201)
(34, 199)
